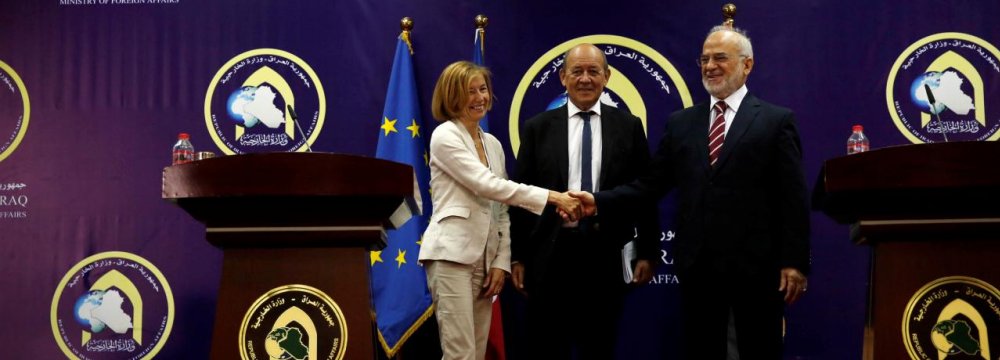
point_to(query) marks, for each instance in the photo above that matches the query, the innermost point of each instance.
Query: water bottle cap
(183, 136)
(857, 128)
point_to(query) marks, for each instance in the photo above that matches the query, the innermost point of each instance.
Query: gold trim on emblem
(295, 313)
(955, 307)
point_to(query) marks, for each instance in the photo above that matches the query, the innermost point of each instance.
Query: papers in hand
(628, 259)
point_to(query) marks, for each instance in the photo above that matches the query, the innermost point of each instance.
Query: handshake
(573, 205)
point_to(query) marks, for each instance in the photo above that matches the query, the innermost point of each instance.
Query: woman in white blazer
(466, 247)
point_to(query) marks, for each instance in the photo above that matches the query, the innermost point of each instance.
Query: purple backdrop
(111, 83)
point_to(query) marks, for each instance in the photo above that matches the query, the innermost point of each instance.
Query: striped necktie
(717, 133)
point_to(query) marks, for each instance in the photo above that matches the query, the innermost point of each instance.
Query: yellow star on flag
(414, 128)
(389, 126)
(401, 258)
(376, 256)
(421, 241)
(427, 159)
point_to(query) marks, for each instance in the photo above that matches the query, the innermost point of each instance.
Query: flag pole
(481, 22)
(479, 55)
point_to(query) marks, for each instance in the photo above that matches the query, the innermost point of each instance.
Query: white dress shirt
(575, 142)
(575, 137)
(732, 106)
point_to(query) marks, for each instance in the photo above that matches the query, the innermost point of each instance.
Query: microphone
(930, 99)
(295, 119)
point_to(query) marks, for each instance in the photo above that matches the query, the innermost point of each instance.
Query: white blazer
(470, 200)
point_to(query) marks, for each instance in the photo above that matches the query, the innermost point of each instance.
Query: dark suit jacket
(749, 213)
(543, 160)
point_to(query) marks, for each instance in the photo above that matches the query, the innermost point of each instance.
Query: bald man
(742, 244)
(572, 272)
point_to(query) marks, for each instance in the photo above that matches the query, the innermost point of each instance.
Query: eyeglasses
(717, 58)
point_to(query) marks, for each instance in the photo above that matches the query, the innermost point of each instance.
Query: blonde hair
(451, 91)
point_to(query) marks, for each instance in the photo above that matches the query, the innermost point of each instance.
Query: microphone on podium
(930, 99)
(295, 119)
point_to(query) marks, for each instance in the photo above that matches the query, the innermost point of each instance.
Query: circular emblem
(642, 81)
(112, 305)
(255, 99)
(944, 88)
(15, 110)
(954, 317)
(293, 322)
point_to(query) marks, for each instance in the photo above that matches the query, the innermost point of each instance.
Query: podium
(295, 230)
(931, 215)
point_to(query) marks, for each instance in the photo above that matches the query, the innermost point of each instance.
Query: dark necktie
(586, 182)
(717, 133)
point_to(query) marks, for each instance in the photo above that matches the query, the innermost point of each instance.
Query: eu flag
(399, 286)
(477, 58)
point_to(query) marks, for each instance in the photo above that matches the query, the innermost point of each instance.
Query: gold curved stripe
(319, 116)
(890, 81)
(165, 290)
(296, 314)
(27, 110)
(951, 59)
(267, 75)
(959, 306)
(543, 61)
(115, 279)
(924, 290)
(626, 90)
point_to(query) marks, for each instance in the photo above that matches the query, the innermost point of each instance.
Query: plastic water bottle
(858, 142)
(183, 150)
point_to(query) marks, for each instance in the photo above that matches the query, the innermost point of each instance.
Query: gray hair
(743, 41)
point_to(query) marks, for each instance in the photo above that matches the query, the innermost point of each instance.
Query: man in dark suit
(742, 240)
(572, 272)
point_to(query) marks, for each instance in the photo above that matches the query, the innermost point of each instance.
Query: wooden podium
(931, 214)
(294, 219)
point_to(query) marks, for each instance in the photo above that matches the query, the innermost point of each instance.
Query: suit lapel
(700, 133)
(467, 139)
(609, 128)
(560, 144)
(470, 145)
(744, 117)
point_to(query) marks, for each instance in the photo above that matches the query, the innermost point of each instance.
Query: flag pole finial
(406, 24)
(481, 22)
(728, 14)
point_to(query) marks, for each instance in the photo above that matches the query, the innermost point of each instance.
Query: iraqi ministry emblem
(293, 322)
(642, 81)
(945, 87)
(112, 305)
(254, 100)
(15, 110)
(953, 317)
